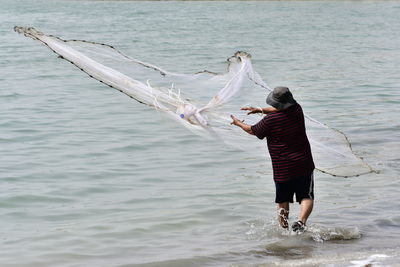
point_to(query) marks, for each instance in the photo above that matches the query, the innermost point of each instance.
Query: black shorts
(303, 187)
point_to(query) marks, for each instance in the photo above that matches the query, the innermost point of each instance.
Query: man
(290, 152)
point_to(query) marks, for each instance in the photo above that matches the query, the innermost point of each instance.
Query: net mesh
(186, 98)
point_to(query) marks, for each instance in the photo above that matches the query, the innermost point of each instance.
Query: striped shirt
(287, 143)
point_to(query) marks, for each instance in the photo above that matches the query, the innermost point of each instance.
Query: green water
(89, 177)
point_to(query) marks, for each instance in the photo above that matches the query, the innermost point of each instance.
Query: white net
(169, 92)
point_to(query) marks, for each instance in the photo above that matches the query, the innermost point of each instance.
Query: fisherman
(290, 152)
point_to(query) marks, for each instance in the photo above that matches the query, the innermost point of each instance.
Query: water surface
(90, 177)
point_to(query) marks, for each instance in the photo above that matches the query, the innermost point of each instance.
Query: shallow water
(90, 177)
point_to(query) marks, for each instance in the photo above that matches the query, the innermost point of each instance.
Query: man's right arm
(253, 110)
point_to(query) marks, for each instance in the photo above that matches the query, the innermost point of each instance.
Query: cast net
(202, 101)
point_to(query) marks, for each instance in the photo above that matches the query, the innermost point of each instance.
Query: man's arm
(253, 110)
(241, 124)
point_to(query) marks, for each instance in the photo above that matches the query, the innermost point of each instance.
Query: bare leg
(283, 214)
(306, 207)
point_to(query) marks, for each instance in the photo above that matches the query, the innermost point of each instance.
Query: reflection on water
(291, 248)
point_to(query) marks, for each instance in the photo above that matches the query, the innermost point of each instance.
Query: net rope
(169, 92)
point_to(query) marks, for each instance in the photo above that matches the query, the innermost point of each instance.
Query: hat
(281, 98)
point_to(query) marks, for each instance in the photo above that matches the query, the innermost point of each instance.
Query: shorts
(303, 187)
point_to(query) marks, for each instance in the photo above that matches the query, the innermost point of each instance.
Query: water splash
(321, 234)
(262, 230)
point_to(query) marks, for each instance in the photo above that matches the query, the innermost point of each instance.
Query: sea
(90, 177)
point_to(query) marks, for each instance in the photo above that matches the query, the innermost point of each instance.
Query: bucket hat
(281, 98)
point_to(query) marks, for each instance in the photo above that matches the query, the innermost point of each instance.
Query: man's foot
(283, 217)
(298, 226)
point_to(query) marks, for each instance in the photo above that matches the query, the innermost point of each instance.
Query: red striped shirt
(287, 143)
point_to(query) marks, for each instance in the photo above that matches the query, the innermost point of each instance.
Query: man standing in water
(290, 152)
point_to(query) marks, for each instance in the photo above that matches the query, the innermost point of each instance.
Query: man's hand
(252, 110)
(236, 121)
(244, 126)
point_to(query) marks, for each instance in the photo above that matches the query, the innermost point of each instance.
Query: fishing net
(202, 101)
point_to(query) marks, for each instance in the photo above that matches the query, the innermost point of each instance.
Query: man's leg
(306, 207)
(283, 214)
(305, 196)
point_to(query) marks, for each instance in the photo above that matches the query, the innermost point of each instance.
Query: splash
(321, 234)
(183, 97)
(260, 229)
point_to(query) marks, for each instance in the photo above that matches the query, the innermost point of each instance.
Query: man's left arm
(241, 124)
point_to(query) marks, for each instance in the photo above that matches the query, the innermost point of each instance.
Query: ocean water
(89, 177)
